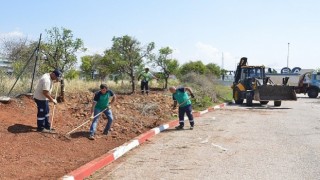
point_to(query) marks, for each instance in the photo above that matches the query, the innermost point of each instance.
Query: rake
(54, 107)
(68, 134)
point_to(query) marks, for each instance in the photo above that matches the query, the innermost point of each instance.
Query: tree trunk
(62, 91)
(166, 83)
(133, 85)
(166, 78)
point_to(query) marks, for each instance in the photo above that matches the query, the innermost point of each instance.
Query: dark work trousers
(186, 110)
(43, 114)
(144, 85)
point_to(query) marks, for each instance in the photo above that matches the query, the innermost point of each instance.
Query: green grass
(224, 93)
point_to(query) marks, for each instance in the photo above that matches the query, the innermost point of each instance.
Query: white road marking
(205, 141)
(220, 147)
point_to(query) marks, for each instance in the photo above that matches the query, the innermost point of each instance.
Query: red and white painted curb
(106, 159)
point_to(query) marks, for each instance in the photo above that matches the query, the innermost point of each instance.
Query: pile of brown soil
(27, 154)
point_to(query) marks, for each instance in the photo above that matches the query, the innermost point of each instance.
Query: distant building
(6, 65)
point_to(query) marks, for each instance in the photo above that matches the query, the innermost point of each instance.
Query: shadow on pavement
(171, 130)
(258, 106)
(268, 108)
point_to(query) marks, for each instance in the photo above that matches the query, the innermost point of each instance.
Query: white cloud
(210, 54)
(12, 34)
(207, 51)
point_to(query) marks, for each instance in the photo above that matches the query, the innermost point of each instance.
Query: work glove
(192, 95)
(55, 101)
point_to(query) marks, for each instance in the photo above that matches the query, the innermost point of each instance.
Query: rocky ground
(27, 154)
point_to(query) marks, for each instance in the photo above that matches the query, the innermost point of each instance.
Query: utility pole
(288, 55)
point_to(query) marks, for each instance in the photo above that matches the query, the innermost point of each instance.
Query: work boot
(47, 131)
(91, 137)
(179, 127)
(105, 132)
(191, 127)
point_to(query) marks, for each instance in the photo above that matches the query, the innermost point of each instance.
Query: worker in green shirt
(181, 98)
(101, 105)
(146, 77)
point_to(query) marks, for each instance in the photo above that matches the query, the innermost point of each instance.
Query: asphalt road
(262, 142)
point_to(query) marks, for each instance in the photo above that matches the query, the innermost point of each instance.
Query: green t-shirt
(102, 100)
(146, 76)
(181, 97)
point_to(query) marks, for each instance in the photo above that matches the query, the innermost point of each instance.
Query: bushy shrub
(204, 89)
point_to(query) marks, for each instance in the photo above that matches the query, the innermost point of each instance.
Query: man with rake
(101, 105)
(42, 96)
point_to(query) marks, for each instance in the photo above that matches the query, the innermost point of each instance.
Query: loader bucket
(275, 93)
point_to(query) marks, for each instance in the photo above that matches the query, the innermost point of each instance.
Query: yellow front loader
(250, 83)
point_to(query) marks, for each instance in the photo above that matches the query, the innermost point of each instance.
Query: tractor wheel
(236, 96)
(313, 93)
(249, 100)
(277, 103)
(264, 102)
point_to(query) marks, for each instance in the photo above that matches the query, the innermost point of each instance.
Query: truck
(309, 83)
(250, 83)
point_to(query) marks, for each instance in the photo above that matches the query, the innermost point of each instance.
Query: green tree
(90, 64)
(213, 69)
(168, 66)
(193, 66)
(60, 50)
(125, 55)
(72, 74)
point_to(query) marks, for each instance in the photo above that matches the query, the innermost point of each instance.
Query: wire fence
(11, 86)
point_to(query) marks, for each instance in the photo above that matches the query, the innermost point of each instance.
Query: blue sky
(195, 29)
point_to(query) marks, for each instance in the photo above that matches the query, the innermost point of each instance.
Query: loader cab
(251, 73)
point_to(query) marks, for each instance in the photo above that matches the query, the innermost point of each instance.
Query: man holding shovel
(180, 96)
(42, 96)
(101, 105)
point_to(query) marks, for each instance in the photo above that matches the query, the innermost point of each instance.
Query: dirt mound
(27, 154)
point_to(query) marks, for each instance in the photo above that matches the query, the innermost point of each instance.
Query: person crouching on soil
(180, 97)
(42, 96)
(101, 105)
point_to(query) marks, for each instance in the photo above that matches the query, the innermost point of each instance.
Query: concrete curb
(106, 159)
